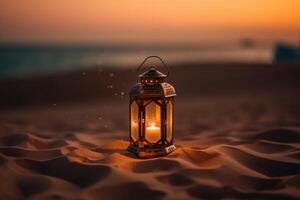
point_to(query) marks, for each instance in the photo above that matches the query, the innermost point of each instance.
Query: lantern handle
(159, 58)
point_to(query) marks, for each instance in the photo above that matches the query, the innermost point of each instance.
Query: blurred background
(51, 35)
(53, 50)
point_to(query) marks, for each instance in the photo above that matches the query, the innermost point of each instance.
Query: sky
(146, 21)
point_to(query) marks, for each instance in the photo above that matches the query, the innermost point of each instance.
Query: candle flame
(153, 127)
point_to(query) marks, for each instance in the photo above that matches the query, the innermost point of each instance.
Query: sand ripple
(259, 166)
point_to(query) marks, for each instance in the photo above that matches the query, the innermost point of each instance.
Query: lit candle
(153, 132)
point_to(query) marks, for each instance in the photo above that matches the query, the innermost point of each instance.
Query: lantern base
(150, 152)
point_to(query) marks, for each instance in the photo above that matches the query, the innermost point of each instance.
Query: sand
(230, 145)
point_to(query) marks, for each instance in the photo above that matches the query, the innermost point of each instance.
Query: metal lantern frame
(152, 89)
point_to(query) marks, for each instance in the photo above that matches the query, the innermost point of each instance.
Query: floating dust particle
(111, 75)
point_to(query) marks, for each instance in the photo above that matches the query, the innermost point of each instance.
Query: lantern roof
(152, 83)
(141, 90)
(152, 73)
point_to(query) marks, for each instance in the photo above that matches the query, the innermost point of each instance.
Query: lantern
(152, 114)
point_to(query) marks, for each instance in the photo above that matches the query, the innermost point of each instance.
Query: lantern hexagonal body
(151, 116)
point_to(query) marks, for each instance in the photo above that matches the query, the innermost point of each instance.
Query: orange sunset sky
(145, 20)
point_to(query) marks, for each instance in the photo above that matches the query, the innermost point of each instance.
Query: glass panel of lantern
(134, 115)
(152, 122)
(169, 121)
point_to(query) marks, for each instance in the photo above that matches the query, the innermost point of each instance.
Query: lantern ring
(159, 58)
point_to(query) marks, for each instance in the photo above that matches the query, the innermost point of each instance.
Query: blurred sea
(27, 60)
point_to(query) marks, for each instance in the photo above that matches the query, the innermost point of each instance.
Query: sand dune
(36, 168)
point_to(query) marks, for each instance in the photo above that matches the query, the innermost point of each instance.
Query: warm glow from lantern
(134, 121)
(153, 132)
(134, 124)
